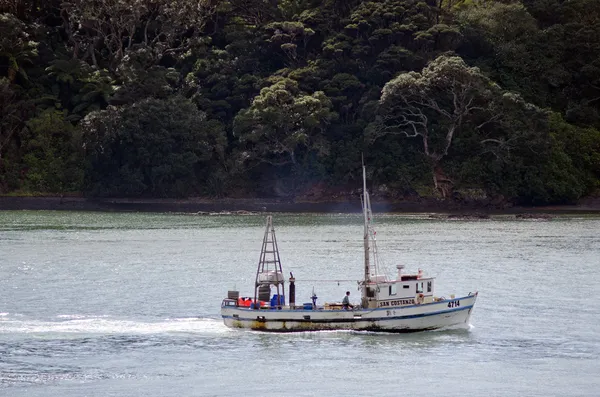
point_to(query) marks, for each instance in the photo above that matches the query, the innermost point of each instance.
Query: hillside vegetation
(454, 99)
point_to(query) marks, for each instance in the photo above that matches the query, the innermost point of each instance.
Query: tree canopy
(452, 99)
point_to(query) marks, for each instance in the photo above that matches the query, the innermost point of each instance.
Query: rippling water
(101, 304)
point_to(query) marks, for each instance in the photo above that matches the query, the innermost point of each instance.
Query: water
(102, 304)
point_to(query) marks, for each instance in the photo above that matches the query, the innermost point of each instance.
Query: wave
(457, 327)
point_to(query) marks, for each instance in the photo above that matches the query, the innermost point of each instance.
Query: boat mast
(366, 220)
(269, 271)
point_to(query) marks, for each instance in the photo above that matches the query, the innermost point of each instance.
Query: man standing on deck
(346, 302)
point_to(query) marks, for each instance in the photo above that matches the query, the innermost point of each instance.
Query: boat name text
(397, 302)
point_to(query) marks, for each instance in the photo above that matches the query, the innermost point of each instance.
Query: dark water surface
(103, 304)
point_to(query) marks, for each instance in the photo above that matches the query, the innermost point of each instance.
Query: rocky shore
(206, 206)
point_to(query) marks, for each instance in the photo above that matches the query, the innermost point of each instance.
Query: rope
(324, 281)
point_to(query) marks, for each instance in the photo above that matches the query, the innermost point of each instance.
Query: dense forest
(452, 99)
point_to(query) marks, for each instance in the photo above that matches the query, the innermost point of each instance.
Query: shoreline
(199, 205)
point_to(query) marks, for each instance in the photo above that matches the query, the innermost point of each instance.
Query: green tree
(285, 128)
(153, 147)
(79, 88)
(112, 27)
(283, 122)
(290, 38)
(581, 145)
(14, 111)
(522, 159)
(16, 47)
(53, 154)
(11, 121)
(434, 106)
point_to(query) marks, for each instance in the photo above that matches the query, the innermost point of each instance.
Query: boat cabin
(406, 289)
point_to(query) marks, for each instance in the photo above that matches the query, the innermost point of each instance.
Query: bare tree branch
(435, 105)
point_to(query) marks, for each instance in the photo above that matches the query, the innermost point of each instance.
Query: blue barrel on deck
(276, 298)
(308, 306)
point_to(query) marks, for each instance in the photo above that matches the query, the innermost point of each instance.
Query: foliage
(16, 47)
(153, 147)
(435, 106)
(285, 126)
(261, 97)
(53, 159)
(282, 121)
(110, 28)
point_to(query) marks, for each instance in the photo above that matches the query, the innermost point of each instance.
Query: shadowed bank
(590, 205)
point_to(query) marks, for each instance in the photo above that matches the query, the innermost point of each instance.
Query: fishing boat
(404, 304)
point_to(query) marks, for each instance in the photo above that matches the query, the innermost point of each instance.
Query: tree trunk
(12, 74)
(442, 183)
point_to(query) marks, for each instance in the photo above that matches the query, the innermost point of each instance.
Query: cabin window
(392, 289)
(429, 286)
(419, 288)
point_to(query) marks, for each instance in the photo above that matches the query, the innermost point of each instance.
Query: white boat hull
(413, 318)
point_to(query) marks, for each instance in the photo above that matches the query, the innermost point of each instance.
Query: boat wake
(81, 325)
(73, 347)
